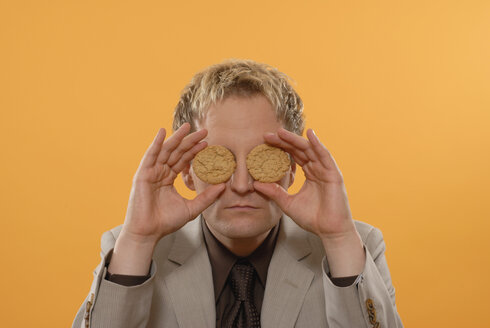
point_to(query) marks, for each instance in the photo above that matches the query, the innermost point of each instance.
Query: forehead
(238, 122)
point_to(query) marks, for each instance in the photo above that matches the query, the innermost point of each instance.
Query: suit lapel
(288, 279)
(191, 289)
(191, 285)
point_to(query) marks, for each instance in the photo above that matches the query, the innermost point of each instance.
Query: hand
(321, 206)
(155, 207)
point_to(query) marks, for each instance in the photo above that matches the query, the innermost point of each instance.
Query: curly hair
(239, 77)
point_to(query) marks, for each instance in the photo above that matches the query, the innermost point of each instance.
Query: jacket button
(87, 309)
(372, 313)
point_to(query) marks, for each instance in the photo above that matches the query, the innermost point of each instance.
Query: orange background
(398, 91)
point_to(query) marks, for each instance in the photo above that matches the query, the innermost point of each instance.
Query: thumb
(275, 192)
(204, 199)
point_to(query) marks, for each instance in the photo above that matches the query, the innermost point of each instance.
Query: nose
(241, 181)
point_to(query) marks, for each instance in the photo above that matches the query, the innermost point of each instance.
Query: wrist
(135, 240)
(345, 254)
(131, 257)
(341, 240)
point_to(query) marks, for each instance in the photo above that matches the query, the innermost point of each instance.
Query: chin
(241, 224)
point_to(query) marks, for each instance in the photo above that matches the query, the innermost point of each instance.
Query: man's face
(239, 123)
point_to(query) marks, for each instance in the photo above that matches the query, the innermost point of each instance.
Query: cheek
(198, 183)
(284, 182)
(201, 186)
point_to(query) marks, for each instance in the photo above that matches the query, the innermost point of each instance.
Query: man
(242, 253)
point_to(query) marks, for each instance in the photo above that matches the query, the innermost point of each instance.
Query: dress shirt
(222, 260)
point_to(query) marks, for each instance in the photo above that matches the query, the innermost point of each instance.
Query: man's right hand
(155, 208)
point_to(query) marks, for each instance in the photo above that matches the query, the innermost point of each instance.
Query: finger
(173, 142)
(298, 155)
(204, 199)
(322, 152)
(275, 192)
(152, 152)
(298, 142)
(188, 156)
(187, 143)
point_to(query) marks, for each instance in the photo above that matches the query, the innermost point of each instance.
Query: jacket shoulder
(108, 239)
(371, 236)
(187, 235)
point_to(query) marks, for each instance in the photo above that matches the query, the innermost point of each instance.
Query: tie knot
(242, 281)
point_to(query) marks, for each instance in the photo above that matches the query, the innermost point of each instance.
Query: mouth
(242, 207)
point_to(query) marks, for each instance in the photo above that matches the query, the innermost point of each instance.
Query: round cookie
(267, 163)
(214, 164)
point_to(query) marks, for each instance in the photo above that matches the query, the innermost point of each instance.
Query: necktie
(243, 313)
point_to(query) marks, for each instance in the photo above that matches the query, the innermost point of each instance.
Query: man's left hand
(321, 206)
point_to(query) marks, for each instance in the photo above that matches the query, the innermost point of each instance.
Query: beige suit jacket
(298, 292)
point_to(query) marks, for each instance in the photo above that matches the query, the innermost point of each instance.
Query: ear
(187, 177)
(292, 173)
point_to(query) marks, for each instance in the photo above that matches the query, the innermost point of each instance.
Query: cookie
(214, 164)
(267, 163)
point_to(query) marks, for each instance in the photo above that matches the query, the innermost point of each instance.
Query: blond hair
(242, 78)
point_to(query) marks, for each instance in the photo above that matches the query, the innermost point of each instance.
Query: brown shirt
(222, 260)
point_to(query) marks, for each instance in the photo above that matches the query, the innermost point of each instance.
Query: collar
(222, 259)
